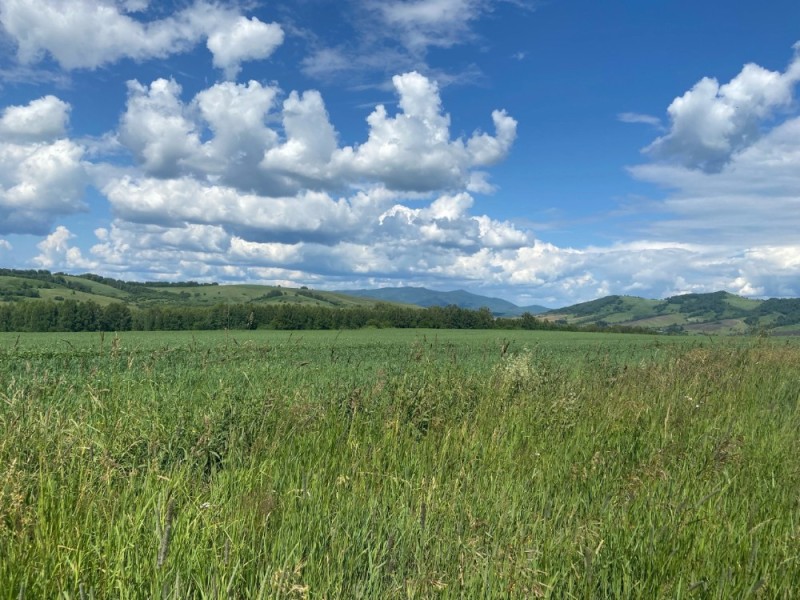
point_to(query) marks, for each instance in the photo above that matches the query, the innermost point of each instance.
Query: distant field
(375, 343)
(467, 339)
(398, 464)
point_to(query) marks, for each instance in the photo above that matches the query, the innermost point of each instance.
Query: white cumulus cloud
(55, 252)
(156, 130)
(42, 119)
(87, 34)
(42, 174)
(176, 202)
(310, 141)
(411, 151)
(242, 40)
(712, 121)
(753, 200)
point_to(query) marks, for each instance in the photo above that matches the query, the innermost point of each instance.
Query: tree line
(72, 315)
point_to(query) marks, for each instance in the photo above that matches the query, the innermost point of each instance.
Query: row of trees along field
(71, 315)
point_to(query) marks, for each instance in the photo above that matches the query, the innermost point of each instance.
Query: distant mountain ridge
(425, 297)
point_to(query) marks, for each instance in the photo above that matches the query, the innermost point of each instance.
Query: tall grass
(376, 466)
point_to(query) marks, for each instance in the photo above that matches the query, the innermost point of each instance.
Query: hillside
(424, 297)
(43, 285)
(717, 312)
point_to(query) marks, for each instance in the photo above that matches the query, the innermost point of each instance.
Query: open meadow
(398, 464)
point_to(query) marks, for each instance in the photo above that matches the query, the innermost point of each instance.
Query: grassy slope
(398, 464)
(16, 284)
(719, 312)
(210, 295)
(178, 295)
(100, 289)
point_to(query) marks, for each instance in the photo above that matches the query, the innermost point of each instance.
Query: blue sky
(547, 152)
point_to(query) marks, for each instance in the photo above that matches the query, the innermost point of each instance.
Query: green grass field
(398, 464)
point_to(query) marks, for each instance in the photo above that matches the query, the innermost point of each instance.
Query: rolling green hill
(717, 312)
(33, 285)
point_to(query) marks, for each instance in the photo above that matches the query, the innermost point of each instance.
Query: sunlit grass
(382, 464)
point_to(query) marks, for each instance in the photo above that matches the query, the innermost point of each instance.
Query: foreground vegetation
(398, 464)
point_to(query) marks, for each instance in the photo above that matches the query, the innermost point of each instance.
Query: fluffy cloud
(55, 252)
(42, 119)
(166, 136)
(413, 150)
(41, 173)
(236, 117)
(368, 217)
(87, 34)
(234, 112)
(177, 201)
(242, 40)
(220, 190)
(753, 200)
(310, 142)
(155, 129)
(446, 223)
(711, 122)
(410, 151)
(163, 223)
(290, 197)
